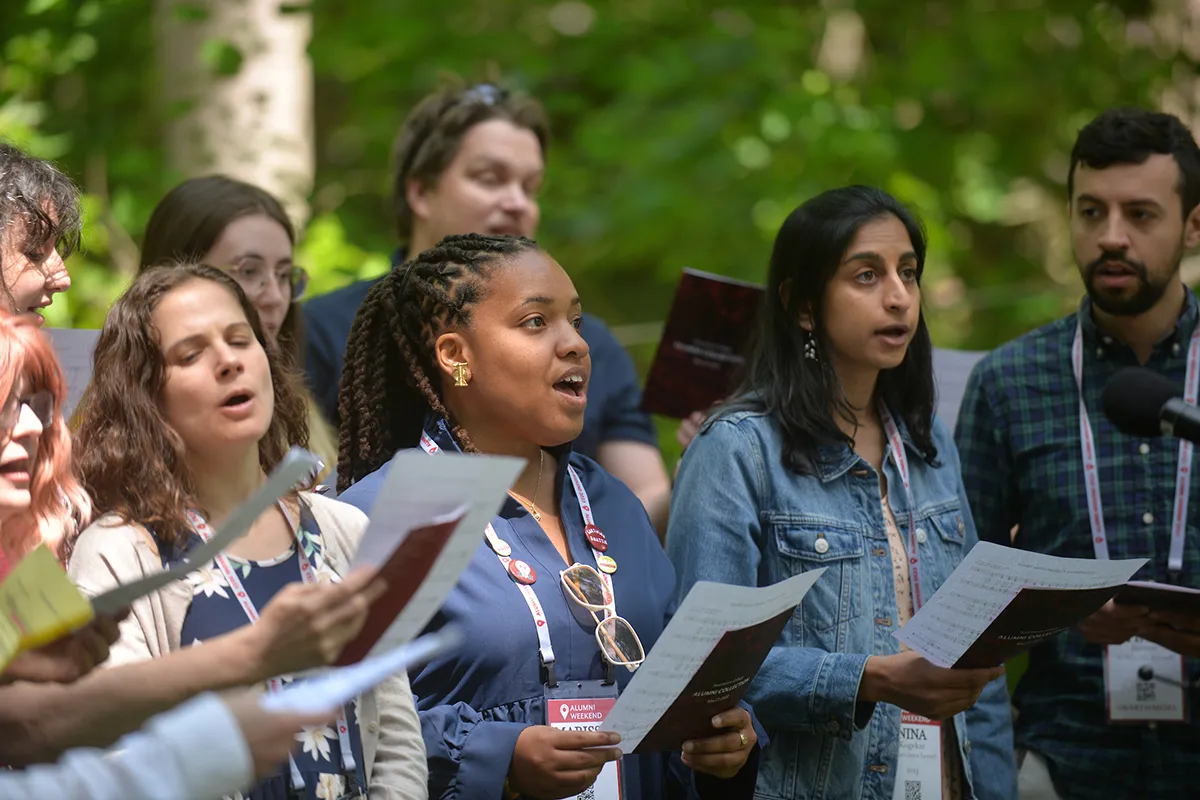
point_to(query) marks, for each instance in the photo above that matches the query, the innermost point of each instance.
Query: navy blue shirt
(475, 702)
(614, 393)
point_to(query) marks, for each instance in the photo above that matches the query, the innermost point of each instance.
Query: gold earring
(460, 373)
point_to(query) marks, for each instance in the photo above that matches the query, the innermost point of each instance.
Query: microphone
(1141, 402)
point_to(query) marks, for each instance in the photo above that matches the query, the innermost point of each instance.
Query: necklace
(537, 488)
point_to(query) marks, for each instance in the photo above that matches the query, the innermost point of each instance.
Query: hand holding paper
(38, 604)
(703, 662)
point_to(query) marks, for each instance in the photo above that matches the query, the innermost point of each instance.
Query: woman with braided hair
(474, 346)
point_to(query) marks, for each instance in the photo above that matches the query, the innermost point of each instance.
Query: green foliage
(684, 131)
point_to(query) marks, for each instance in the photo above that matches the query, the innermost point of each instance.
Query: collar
(1184, 326)
(835, 460)
(438, 430)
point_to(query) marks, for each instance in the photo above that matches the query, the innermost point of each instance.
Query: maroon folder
(717, 686)
(404, 572)
(703, 343)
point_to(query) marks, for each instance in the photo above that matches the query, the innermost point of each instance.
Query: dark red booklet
(404, 571)
(717, 686)
(1160, 596)
(703, 343)
(1032, 616)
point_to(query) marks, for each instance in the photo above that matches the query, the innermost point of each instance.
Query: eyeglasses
(618, 641)
(40, 403)
(255, 277)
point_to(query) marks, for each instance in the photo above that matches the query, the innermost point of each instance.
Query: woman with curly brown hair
(189, 409)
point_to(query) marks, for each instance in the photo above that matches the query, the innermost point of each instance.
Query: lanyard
(896, 445)
(1091, 472)
(545, 647)
(243, 597)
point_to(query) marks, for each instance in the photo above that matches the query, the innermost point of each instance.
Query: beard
(1144, 297)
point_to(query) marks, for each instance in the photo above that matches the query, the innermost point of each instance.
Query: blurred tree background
(684, 130)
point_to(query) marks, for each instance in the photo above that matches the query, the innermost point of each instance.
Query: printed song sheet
(663, 688)
(989, 579)
(296, 466)
(417, 490)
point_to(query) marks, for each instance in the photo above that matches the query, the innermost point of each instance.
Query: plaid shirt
(1018, 435)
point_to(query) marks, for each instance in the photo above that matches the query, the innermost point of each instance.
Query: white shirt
(193, 752)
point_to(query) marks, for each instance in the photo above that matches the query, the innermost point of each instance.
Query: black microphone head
(1133, 399)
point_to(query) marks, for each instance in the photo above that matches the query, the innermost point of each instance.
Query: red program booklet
(718, 685)
(404, 571)
(703, 343)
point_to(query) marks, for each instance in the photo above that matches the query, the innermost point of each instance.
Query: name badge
(1143, 682)
(919, 772)
(582, 706)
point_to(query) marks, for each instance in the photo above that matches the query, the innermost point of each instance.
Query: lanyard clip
(551, 679)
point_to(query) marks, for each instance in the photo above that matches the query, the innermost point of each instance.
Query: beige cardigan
(109, 552)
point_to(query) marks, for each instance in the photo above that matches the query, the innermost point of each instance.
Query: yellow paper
(39, 603)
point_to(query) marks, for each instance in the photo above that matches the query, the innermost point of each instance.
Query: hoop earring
(810, 347)
(460, 374)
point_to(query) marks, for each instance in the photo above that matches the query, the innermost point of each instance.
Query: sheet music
(74, 347)
(296, 466)
(332, 690)
(985, 583)
(705, 615)
(418, 488)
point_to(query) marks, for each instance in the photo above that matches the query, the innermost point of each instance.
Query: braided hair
(390, 381)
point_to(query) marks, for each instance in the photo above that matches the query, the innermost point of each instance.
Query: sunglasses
(40, 403)
(618, 641)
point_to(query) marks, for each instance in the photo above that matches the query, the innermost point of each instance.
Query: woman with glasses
(829, 456)
(189, 409)
(243, 230)
(40, 498)
(474, 346)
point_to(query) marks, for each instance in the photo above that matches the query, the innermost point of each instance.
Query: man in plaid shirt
(1134, 188)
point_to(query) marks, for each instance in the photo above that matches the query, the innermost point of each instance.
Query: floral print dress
(318, 760)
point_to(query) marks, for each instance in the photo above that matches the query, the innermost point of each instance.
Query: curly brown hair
(390, 381)
(129, 457)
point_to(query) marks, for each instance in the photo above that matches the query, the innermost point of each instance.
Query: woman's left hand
(723, 754)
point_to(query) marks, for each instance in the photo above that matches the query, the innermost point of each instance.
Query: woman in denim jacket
(799, 472)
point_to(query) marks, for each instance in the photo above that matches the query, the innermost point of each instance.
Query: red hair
(58, 502)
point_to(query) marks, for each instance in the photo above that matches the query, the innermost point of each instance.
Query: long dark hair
(130, 459)
(188, 221)
(390, 381)
(804, 396)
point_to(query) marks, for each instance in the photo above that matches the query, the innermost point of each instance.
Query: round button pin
(606, 564)
(821, 546)
(521, 572)
(595, 537)
(500, 547)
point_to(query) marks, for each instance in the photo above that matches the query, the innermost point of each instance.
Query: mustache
(1117, 258)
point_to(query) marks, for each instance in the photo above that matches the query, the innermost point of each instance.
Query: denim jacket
(739, 516)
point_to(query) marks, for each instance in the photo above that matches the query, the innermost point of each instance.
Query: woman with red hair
(40, 498)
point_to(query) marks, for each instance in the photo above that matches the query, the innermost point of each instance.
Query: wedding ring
(745, 741)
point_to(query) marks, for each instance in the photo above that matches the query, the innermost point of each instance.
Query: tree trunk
(237, 83)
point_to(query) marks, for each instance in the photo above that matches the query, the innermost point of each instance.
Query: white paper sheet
(985, 583)
(708, 612)
(332, 690)
(420, 487)
(74, 346)
(296, 466)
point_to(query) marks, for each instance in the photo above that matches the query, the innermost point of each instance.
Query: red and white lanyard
(274, 684)
(1091, 472)
(896, 444)
(545, 648)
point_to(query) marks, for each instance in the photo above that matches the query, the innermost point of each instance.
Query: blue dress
(474, 703)
(215, 611)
